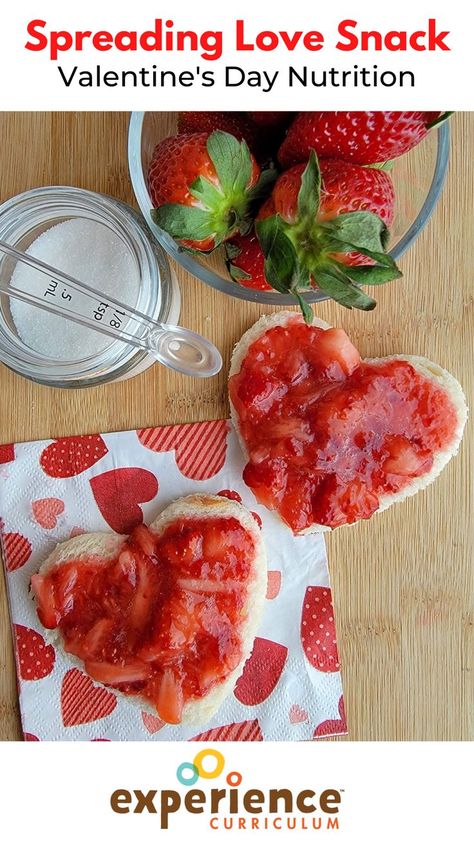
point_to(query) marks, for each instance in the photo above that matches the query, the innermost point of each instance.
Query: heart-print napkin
(51, 490)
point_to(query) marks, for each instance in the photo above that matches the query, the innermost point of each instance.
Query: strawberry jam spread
(160, 621)
(328, 434)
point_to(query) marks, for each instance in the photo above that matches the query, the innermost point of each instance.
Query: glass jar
(22, 219)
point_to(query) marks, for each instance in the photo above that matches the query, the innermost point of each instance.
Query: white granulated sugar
(89, 252)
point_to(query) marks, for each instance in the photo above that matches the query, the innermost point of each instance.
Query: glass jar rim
(20, 215)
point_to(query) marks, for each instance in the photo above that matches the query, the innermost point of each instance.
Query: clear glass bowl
(418, 178)
(22, 219)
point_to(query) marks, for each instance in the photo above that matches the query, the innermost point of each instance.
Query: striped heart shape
(200, 449)
(248, 731)
(82, 701)
(16, 550)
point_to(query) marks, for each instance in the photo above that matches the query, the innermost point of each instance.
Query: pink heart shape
(200, 449)
(298, 714)
(47, 511)
(273, 584)
(118, 494)
(152, 723)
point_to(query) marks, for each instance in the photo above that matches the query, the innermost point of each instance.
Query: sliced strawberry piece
(43, 589)
(66, 580)
(169, 698)
(142, 602)
(335, 348)
(404, 459)
(116, 674)
(207, 585)
(126, 568)
(97, 638)
(144, 539)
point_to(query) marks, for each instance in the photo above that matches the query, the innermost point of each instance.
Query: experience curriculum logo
(229, 805)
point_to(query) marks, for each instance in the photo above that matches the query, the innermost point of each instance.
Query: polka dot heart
(35, 657)
(318, 632)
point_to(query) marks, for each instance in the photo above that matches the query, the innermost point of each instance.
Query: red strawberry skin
(35, 658)
(345, 188)
(176, 164)
(318, 632)
(68, 457)
(233, 122)
(261, 672)
(250, 260)
(361, 137)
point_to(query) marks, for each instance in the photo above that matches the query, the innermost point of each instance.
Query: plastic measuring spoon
(174, 346)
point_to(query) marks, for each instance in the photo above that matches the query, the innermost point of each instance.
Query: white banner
(183, 55)
(348, 791)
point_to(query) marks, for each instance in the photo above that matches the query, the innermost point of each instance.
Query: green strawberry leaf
(232, 161)
(207, 193)
(263, 187)
(333, 281)
(372, 274)
(184, 222)
(310, 190)
(232, 250)
(281, 263)
(363, 229)
(308, 314)
(386, 166)
(236, 273)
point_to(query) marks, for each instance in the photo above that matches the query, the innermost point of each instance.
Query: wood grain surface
(403, 583)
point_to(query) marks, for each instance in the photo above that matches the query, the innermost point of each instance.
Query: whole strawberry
(234, 122)
(361, 137)
(320, 226)
(245, 261)
(203, 188)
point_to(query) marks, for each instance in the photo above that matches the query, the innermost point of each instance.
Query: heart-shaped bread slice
(329, 438)
(167, 616)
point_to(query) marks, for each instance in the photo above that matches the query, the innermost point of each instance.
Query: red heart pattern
(35, 658)
(261, 672)
(7, 453)
(30, 738)
(118, 494)
(333, 727)
(298, 714)
(248, 731)
(82, 701)
(16, 550)
(47, 511)
(273, 584)
(152, 723)
(70, 456)
(318, 632)
(200, 448)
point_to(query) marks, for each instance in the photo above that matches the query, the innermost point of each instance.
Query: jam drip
(328, 434)
(162, 620)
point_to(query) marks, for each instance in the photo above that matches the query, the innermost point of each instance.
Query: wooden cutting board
(403, 584)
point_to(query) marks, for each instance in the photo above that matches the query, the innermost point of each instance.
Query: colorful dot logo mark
(188, 773)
